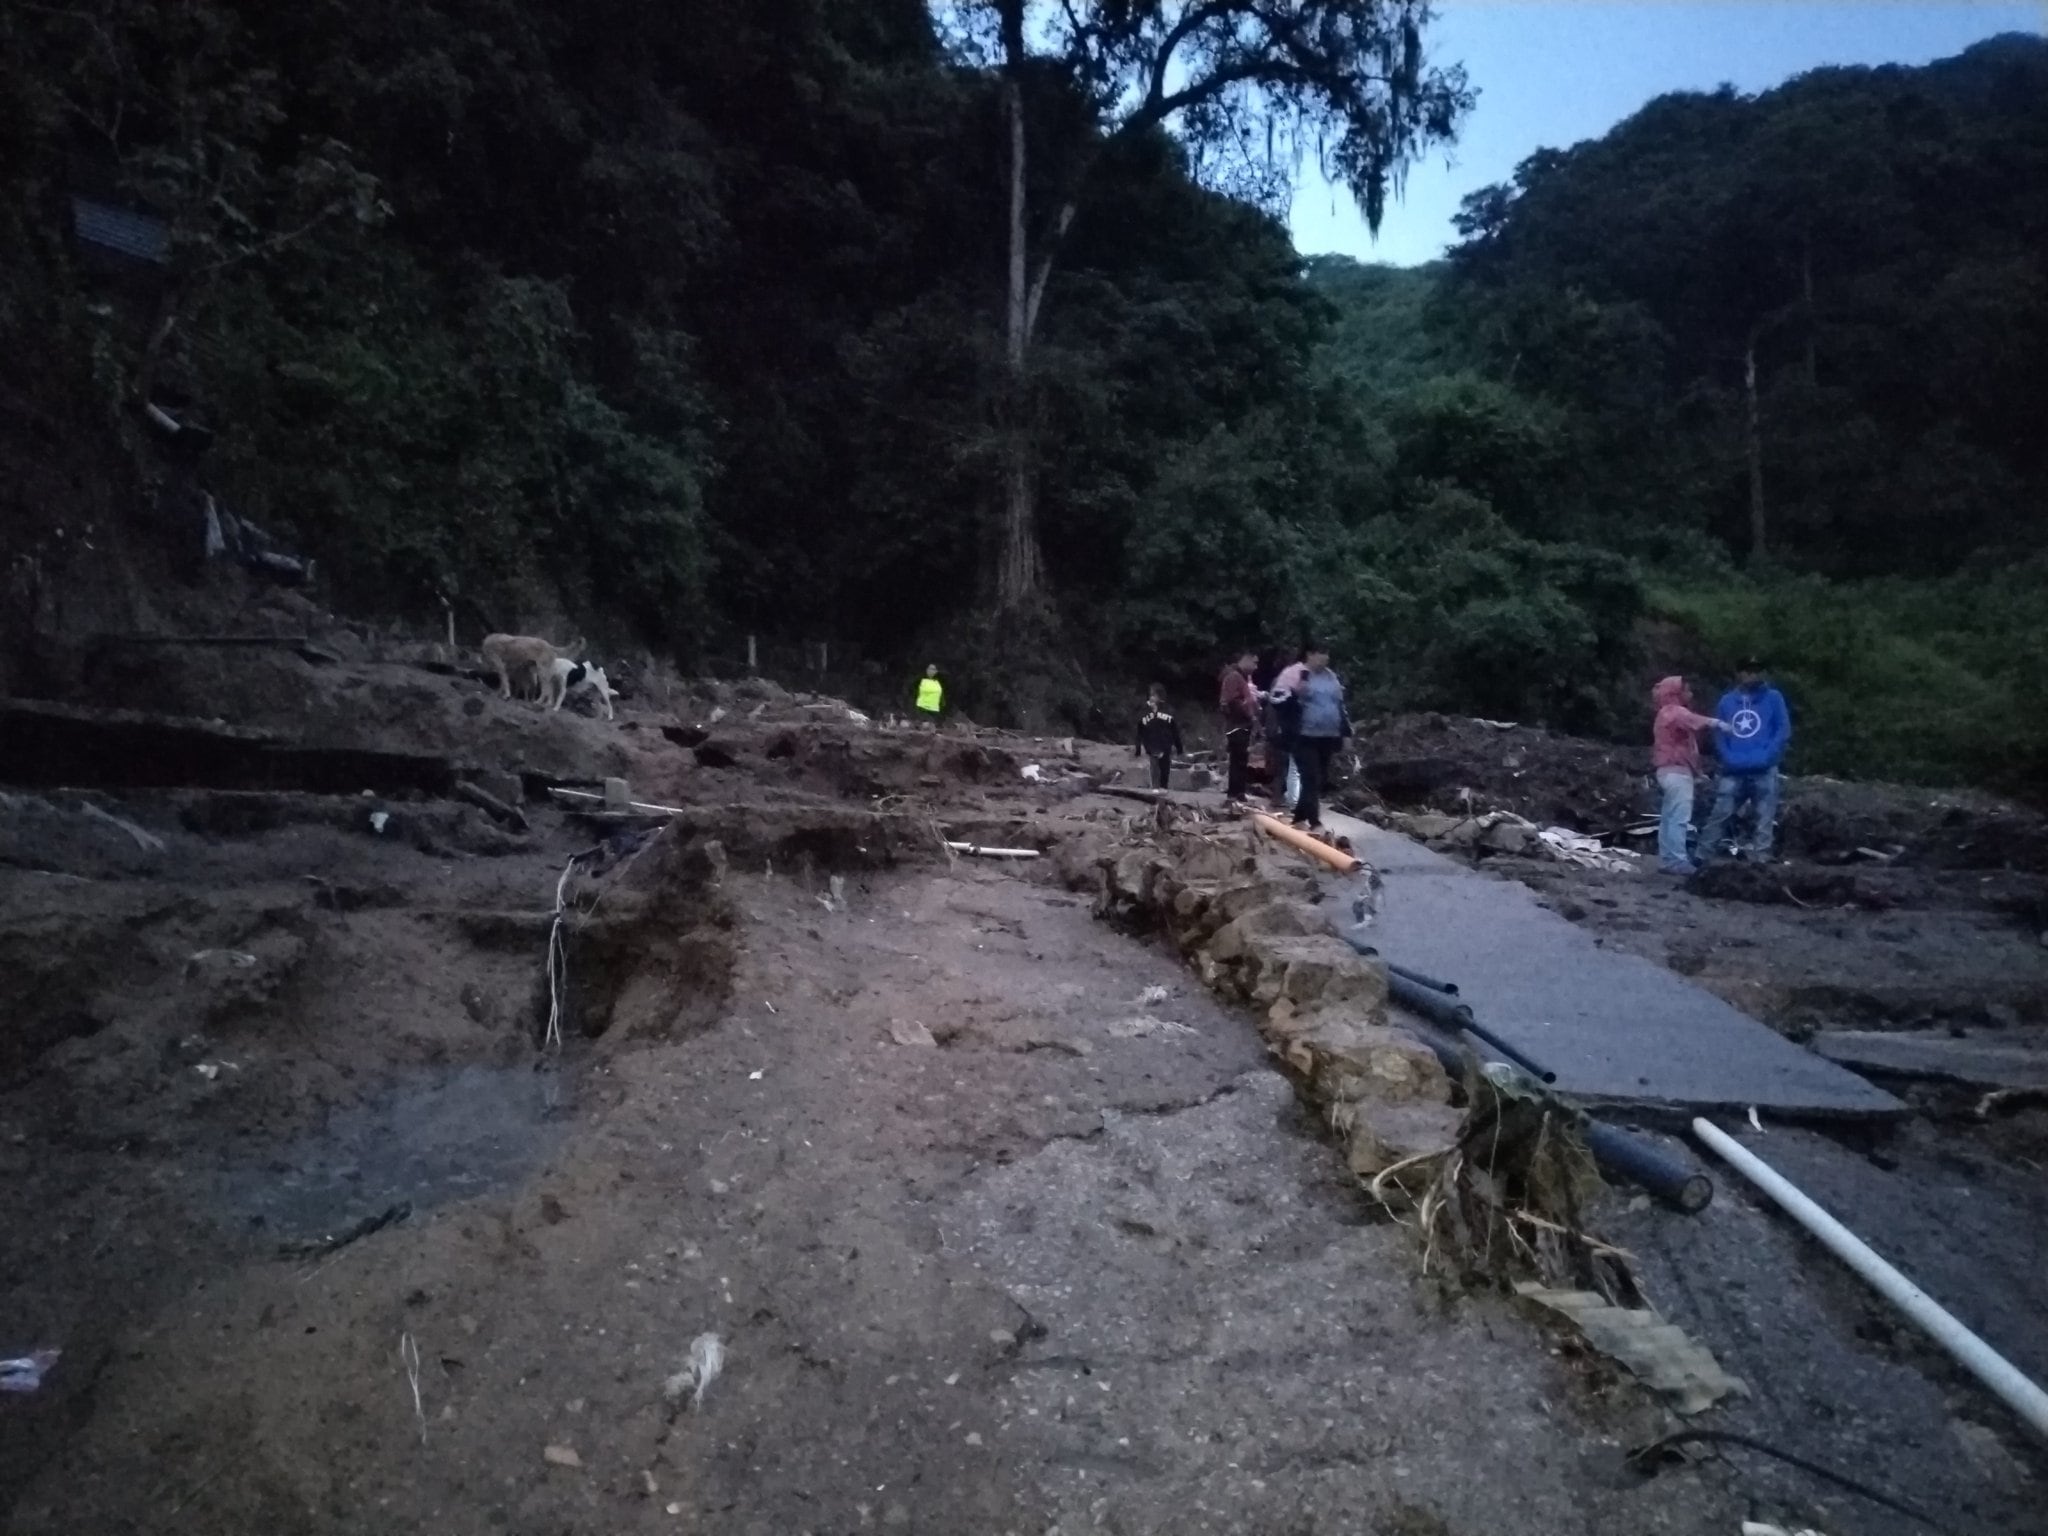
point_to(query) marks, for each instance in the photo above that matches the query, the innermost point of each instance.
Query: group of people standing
(1751, 728)
(1303, 718)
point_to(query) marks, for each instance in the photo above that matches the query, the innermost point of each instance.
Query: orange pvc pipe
(1294, 837)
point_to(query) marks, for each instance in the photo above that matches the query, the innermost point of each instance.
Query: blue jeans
(1674, 821)
(1758, 788)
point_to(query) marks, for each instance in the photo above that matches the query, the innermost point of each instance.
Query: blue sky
(1553, 72)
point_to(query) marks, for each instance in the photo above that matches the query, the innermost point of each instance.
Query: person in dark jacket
(1283, 721)
(1158, 737)
(1321, 725)
(1238, 702)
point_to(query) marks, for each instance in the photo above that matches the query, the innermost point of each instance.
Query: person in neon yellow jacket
(931, 696)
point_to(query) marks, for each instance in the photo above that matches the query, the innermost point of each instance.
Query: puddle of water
(427, 1139)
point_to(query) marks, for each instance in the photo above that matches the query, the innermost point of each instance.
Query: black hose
(1450, 987)
(1618, 1154)
(1443, 1009)
(1671, 1181)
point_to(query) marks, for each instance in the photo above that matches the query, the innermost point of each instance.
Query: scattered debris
(1153, 996)
(1661, 1355)
(561, 1456)
(910, 1032)
(1140, 1025)
(379, 820)
(213, 1069)
(834, 899)
(707, 1360)
(976, 851)
(1584, 850)
(24, 1373)
(1033, 774)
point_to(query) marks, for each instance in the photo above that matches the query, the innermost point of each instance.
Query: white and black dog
(564, 676)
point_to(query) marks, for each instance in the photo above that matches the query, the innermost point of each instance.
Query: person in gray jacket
(1322, 724)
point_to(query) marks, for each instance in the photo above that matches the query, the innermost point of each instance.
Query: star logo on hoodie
(1745, 723)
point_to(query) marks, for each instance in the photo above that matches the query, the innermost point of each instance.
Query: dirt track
(1066, 1266)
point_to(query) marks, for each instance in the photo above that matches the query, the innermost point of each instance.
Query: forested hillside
(972, 329)
(1789, 356)
(690, 318)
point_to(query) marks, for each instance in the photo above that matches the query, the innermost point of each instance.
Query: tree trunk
(1753, 442)
(1812, 324)
(1019, 568)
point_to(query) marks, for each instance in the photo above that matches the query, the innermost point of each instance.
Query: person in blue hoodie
(1756, 729)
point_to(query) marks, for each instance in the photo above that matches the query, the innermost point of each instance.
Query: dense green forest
(974, 330)
(1785, 356)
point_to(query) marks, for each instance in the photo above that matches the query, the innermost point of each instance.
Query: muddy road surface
(1001, 1221)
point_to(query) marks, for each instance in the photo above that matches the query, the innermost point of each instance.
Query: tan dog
(508, 651)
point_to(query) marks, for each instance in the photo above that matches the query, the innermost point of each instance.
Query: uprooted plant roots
(1506, 1200)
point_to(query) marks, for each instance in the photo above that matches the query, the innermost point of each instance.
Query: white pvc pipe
(637, 805)
(1972, 1353)
(975, 850)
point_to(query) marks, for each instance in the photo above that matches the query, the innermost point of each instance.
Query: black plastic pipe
(1615, 1151)
(1450, 987)
(1443, 1009)
(1664, 1176)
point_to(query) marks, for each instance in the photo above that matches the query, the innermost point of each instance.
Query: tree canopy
(676, 322)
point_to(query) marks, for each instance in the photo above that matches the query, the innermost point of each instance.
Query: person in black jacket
(1158, 737)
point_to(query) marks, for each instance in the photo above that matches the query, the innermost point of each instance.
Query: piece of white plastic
(707, 1360)
(25, 1373)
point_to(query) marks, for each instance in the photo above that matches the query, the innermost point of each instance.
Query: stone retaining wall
(1254, 925)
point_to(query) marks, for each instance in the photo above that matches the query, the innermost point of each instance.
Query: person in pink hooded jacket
(1675, 751)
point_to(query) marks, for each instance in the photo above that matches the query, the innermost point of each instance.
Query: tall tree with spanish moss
(1248, 87)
